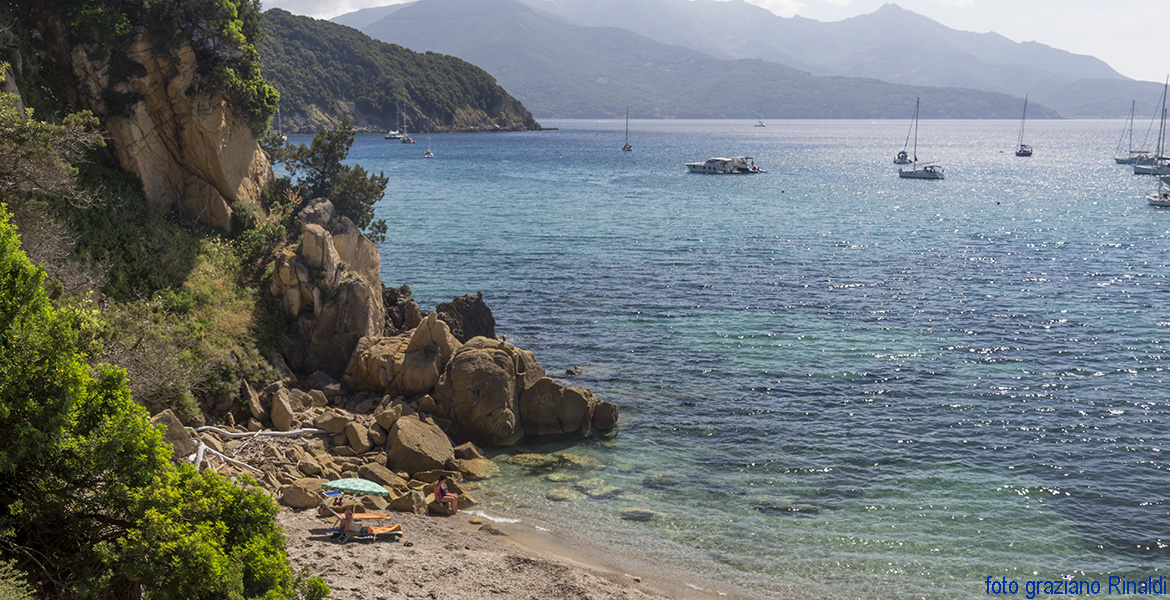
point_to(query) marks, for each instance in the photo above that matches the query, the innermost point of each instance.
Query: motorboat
(734, 165)
(924, 172)
(393, 134)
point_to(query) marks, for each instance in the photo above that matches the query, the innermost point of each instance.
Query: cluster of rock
(390, 388)
(476, 387)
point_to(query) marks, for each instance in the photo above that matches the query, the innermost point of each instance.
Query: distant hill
(559, 69)
(325, 71)
(890, 44)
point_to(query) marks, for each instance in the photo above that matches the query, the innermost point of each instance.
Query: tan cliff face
(193, 152)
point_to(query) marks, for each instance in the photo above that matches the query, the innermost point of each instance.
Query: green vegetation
(91, 505)
(320, 173)
(222, 33)
(326, 71)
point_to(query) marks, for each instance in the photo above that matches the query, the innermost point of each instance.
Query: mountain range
(707, 58)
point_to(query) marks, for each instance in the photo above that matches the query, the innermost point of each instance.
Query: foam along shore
(459, 557)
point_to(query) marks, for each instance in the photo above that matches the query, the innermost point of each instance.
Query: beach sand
(452, 558)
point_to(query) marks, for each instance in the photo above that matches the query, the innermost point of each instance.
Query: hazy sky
(1129, 35)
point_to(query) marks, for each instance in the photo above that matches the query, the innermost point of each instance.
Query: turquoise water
(831, 379)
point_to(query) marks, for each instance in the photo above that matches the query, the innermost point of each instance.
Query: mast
(916, 101)
(1023, 119)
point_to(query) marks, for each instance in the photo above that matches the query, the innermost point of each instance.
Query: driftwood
(202, 448)
(251, 434)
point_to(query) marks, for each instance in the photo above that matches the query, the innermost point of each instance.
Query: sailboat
(1161, 196)
(1160, 165)
(394, 134)
(428, 153)
(927, 171)
(903, 157)
(760, 122)
(1023, 149)
(626, 146)
(1131, 157)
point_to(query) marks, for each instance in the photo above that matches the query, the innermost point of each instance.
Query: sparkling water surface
(833, 382)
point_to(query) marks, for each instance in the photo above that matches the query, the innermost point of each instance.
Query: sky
(1129, 35)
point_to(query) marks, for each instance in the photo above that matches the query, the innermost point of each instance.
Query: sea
(833, 382)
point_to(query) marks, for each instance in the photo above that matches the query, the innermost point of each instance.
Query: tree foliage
(319, 172)
(223, 34)
(90, 505)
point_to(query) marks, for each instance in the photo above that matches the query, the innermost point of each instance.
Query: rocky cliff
(194, 153)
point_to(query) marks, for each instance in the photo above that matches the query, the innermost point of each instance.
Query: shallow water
(830, 378)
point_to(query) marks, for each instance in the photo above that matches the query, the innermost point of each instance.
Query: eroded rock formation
(192, 151)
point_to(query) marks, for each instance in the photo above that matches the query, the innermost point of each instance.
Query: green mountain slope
(563, 70)
(326, 71)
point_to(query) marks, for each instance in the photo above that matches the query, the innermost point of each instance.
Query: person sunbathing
(349, 525)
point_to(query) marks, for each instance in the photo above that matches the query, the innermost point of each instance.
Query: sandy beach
(456, 558)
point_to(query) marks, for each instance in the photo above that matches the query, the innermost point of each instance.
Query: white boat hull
(738, 165)
(1151, 169)
(1159, 199)
(923, 173)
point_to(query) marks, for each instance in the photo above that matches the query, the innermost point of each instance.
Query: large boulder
(283, 415)
(357, 251)
(468, 317)
(352, 312)
(480, 390)
(359, 437)
(303, 493)
(407, 365)
(415, 446)
(550, 408)
(176, 434)
(387, 478)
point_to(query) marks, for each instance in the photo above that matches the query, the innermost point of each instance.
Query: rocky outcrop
(468, 317)
(402, 312)
(331, 288)
(193, 152)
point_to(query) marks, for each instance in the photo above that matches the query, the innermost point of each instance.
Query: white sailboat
(903, 157)
(626, 146)
(428, 153)
(916, 172)
(760, 122)
(1023, 149)
(394, 134)
(1160, 197)
(1131, 156)
(1161, 163)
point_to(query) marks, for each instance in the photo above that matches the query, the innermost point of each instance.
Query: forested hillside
(325, 72)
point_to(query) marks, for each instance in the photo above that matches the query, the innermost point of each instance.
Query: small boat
(428, 153)
(914, 172)
(1161, 196)
(393, 134)
(760, 122)
(1023, 149)
(734, 165)
(1131, 157)
(1161, 163)
(626, 147)
(903, 157)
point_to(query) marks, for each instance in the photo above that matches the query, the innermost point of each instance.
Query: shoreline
(452, 558)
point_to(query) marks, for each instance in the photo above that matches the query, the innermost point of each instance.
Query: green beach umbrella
(357, 486)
